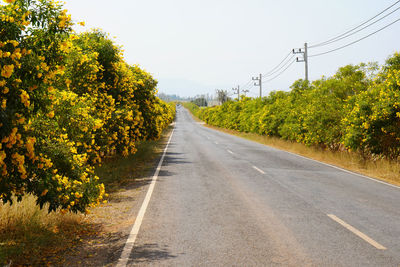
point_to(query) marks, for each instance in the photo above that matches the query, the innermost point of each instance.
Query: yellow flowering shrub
(356, 109)
(156, 114)
(36, 155)
(372, 126)
(67, 101)
(124, 96)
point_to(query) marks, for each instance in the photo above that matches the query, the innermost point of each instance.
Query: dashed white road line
(230, 151)
(126, 252)
(356, 232)
(216, 142)
(259, 170)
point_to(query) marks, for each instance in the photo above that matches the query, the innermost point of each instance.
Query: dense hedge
(356, 109)
(67, 102)
(192, 107)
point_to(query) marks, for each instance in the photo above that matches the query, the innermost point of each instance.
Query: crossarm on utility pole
(305, 59)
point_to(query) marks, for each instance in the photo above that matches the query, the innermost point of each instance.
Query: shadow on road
(174, 158)
(150, 253)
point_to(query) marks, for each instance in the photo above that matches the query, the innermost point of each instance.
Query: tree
(222, 96)
(200, 101)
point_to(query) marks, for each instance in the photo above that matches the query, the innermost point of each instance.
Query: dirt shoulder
(127, 180)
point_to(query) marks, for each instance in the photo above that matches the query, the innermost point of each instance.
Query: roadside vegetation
(68, 103)
(31, 236)
(351, 119)
(192, 107)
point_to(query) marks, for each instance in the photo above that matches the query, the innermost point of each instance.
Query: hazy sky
(195, 47)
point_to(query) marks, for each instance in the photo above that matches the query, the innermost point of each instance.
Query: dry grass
(118, 173)
(382, 169)
(31, 236)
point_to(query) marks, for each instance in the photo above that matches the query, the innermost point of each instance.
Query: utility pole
(258, 82)
(238, 91)
(304, 52)
(306, 60)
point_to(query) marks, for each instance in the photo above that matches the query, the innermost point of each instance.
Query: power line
(281, 67)
(288, 61)
(254, 94)
(272, 70)
(248, 84)
(351, 30)
(248, 87)
(280, 72)
(350, 34)
(356, 41)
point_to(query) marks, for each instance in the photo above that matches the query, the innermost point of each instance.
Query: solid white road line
(356, 232)
(259, 170)
(344, 170)
(126, 252)
(230, 151)
(326, 164)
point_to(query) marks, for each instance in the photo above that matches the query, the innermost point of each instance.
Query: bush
(67, 102)
(355, 109)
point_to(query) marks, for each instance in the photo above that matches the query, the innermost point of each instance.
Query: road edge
(298, 155)
(129, 244)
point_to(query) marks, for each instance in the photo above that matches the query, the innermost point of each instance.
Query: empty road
(224, 201)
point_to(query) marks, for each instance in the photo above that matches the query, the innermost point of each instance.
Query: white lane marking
(208, 137)
(126, 252)
(356, 232)
(216, 142)
(230, 151)
(326, 164)
(344, 170)
(259, 170)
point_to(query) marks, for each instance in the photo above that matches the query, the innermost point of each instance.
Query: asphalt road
(224, 201)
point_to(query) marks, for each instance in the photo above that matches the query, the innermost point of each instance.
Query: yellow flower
(20, 159)
(82, 23)
(7, 71)
(14, 42)
(51, 114)
(25, 98)
(65, 46)
(21, 120)
(30, 146)
(9, 1)
(2, 157)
